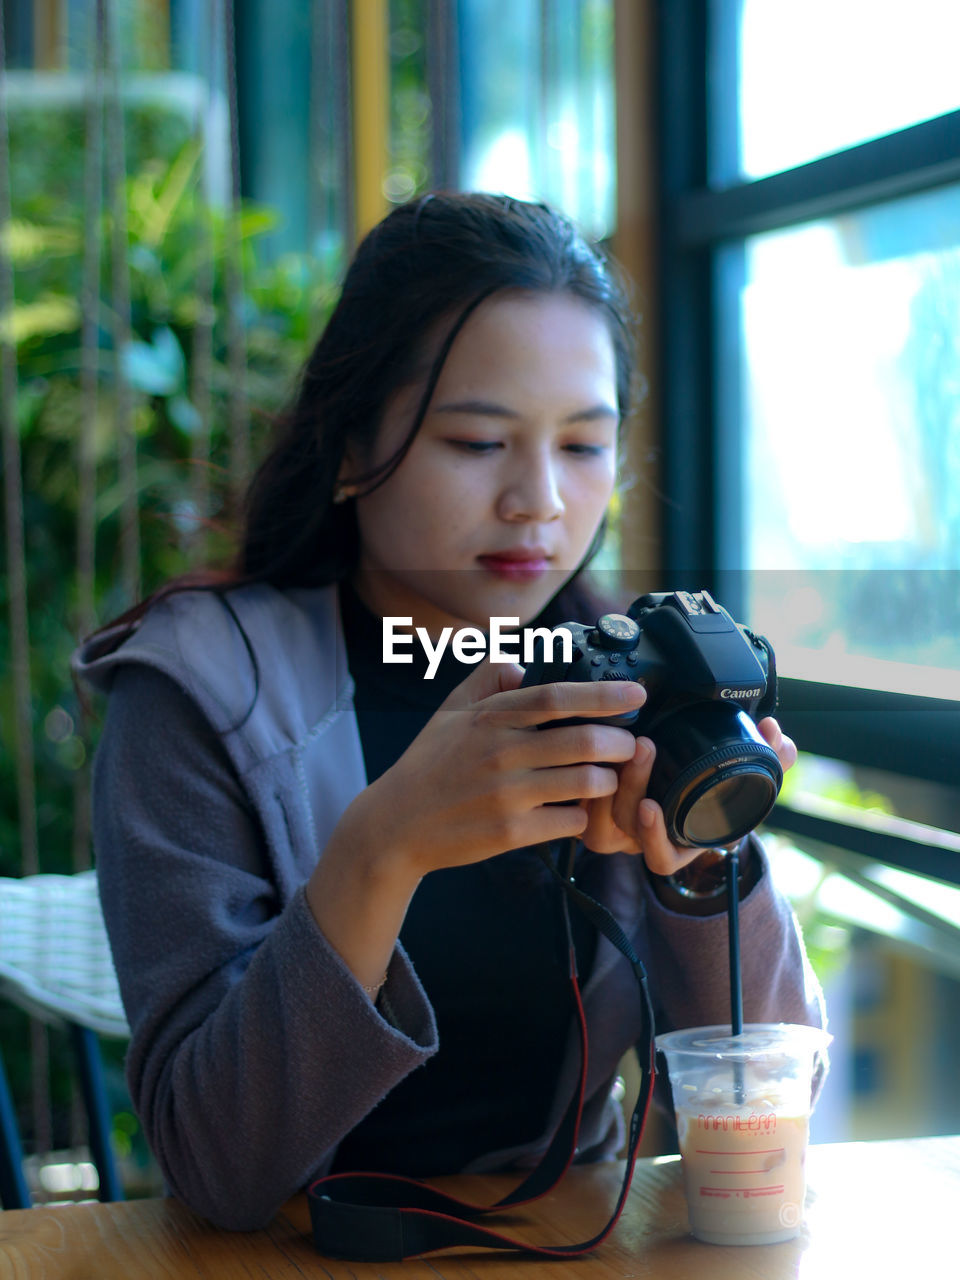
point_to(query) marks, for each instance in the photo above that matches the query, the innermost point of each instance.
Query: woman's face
(507, 480)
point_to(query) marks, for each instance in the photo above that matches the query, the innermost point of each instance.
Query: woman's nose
(532, 490)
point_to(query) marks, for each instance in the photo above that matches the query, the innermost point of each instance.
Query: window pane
(850, 407)
(911, 807)
(891, 980)
(816, 76)
(885, 943)
(537, 101)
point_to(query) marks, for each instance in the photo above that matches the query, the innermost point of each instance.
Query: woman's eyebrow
(483, 408)
(488, 409)
(595, 413)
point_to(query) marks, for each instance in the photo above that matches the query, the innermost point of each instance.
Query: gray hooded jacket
(253, 1048)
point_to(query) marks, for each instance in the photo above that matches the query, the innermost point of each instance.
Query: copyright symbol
(790, 1214)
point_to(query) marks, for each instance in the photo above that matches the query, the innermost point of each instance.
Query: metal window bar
(443, 86)
(90, 325)
(238, 424)
(927, 937)
(201, 372)
(332, 213)
(17, 595)
(86, 527)
(85, 612)
(120, 289)
(22, 727)
(924, 850)
(899, 164)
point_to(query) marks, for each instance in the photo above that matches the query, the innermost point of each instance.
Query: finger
(770, 731)
(571, 744)
(788, 753)
(660, 855)
(602, 834)
(562, 700)
(549, 822)
(488, 679)
(573, 782)
(634, 780)
(774, 737)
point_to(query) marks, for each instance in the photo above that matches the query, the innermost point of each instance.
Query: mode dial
(617, 632)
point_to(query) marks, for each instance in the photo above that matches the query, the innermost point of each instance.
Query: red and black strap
(373, 1217)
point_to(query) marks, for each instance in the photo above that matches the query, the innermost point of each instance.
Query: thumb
(489, 678)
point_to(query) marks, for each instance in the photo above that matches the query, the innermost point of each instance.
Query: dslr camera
(708, 680)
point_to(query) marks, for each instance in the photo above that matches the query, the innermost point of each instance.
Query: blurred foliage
(171, 237)
(169, 233)
(828, 943)
(833, 780)
(828, 946)
(411, 113)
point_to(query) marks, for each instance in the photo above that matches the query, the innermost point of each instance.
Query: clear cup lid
(757, 1040)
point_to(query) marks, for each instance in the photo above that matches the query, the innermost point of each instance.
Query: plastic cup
(743, 1117)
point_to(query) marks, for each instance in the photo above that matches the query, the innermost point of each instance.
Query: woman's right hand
(479, 779)
(482, 778)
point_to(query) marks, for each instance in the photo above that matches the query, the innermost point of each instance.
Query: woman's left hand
(629, 822)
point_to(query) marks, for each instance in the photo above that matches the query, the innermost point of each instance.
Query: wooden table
(874, 1209)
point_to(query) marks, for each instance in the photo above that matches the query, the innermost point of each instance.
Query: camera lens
(715, 778)
(728, 809)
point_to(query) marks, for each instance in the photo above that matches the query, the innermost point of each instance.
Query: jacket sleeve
(253, 1048)
(690, 969)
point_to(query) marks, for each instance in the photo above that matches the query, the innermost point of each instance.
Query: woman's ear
(345, 488)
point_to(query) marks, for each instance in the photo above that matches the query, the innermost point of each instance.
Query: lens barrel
(714, 776)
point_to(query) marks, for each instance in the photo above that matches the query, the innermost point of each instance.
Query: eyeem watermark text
(470, 644)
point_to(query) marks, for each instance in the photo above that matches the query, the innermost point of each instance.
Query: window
(811, 356)
(822, 75)
(849, 409)
(537, 104)
(809, 381)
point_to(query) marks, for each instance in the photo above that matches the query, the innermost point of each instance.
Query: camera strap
(373, 1217)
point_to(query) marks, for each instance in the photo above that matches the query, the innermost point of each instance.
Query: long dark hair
(429, 262)
(426, 267)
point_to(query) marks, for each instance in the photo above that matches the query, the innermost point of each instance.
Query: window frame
(700, 226)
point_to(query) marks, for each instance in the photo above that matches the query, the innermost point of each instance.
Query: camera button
(617, 631)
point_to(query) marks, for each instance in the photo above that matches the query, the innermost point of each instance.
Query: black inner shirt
(487, 942)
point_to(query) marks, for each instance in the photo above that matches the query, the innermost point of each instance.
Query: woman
(335, 945)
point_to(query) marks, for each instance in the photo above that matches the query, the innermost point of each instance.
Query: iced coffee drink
(742, 1107)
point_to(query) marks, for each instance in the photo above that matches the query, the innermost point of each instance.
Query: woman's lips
(515, 568)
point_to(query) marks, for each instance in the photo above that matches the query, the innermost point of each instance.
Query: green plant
(173, 241)
(175, 366)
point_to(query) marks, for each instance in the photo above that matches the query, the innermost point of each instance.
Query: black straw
(736, 978)
(733, 933)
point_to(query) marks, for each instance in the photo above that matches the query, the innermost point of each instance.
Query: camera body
(708, 679)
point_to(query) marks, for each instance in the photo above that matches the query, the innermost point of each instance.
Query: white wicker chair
(55, 963)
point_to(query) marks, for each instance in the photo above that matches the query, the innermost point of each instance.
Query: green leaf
(29, 402)
(256, 220)
(52, 313)
(144, 260)
(170, 192)
(24, 242)
(184, 416)
(154, 474)
(157, 368)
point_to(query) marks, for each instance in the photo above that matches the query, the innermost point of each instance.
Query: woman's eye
(475, 446)
(576, 448)
(586, 450)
